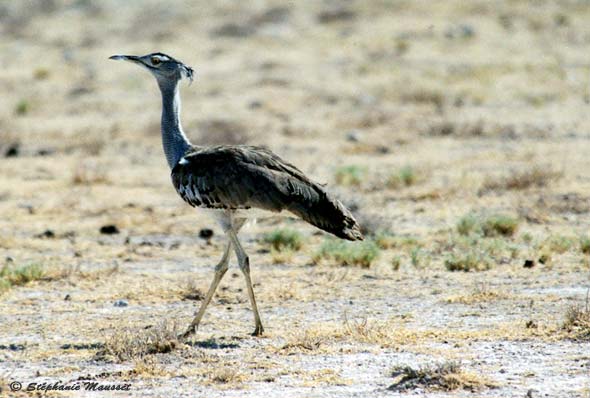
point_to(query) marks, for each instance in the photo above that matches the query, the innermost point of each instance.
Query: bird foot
(258, 331)
(190, 331)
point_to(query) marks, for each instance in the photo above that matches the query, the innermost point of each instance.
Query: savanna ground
(458, 132)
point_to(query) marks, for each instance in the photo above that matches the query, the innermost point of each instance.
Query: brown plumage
(243, 177)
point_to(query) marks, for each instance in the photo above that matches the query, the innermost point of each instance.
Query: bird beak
(131, 58)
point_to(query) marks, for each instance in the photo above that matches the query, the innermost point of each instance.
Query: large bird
(235, 181)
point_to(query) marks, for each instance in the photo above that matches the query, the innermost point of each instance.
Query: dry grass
(537, 176)
(447, 376)
(480, 294)
(306, 341)
(147, 366)
(577, 321)
(227, 375)
(133, 343)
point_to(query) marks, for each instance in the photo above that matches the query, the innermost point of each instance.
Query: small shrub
(467, 261)
(284, 239)
(585, 244)
(347, 253)
(499, 225)
(41, 73)
(22, 108)
(385, 240)
(468, 224)
(560, 243)
(282, 256)
(404, 177)
(527, 238)
(350, 175)
(417, 257)
(396, 263)
(10, 276)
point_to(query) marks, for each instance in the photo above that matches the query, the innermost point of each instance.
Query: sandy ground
(441, 109)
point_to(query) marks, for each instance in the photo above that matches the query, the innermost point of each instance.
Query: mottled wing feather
(243, 177)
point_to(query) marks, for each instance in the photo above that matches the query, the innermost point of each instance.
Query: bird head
(162, 66)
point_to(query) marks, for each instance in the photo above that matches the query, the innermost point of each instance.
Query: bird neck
(173, 138)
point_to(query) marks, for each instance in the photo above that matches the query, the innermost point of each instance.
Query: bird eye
(155, 61)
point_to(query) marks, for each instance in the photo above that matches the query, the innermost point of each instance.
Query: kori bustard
(233, 180)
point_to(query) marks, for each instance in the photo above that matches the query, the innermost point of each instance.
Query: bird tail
(328, 214)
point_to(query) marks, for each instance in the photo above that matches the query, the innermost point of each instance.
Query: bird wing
(243, 177)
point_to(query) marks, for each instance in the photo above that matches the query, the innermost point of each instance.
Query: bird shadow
(212, 344)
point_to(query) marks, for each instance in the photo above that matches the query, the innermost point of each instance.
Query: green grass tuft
(347, 253)
(468, 224)
(585, 244)
(560, 243)
(470, 260)
(284, 239)
(350, 175)
(11, 276)
(499, 225)
(404, 177)
(493, 225)
(22, 107)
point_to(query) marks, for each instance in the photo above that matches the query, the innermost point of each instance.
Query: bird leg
(220, 270)
(244, 263)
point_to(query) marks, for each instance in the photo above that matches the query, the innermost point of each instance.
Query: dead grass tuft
(447, 376)
(307, 341)
(148, 367)
(480, 294)
(227, 375)
(536, 176)
(577, 321)
(133, 343)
